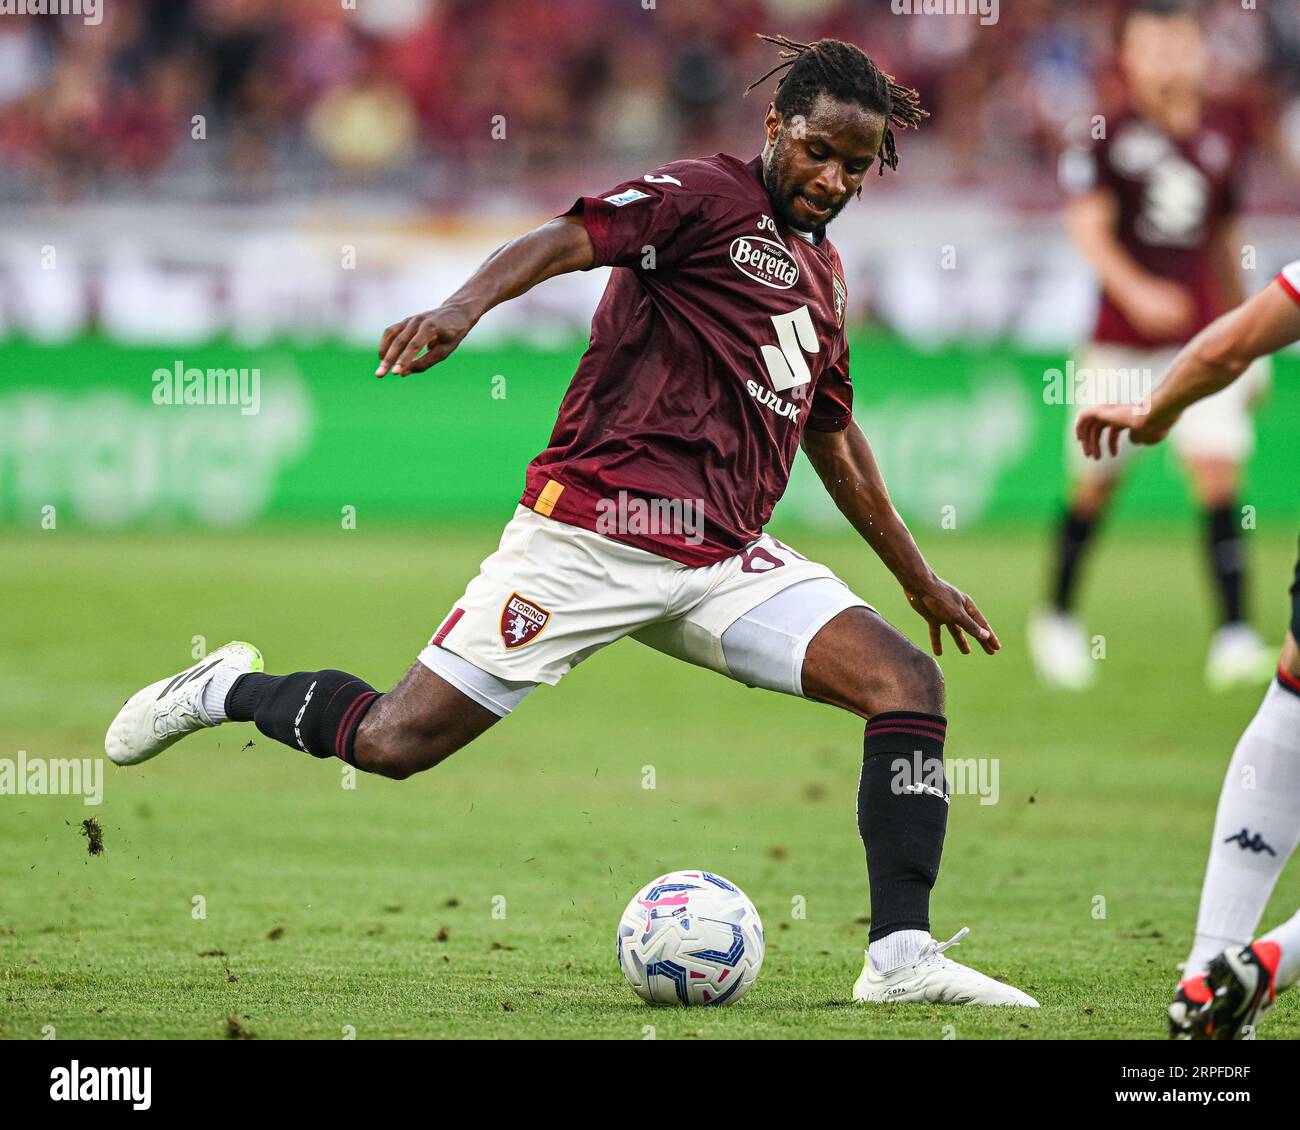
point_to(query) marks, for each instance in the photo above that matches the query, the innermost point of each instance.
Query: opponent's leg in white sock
(1255, 829)
(1287, 939)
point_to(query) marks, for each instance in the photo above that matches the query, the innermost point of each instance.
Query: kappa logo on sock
(1246, 842)
(522, 621)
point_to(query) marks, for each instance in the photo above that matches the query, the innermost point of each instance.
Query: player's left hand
(943, 605)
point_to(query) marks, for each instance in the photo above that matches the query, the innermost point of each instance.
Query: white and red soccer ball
(690, 937)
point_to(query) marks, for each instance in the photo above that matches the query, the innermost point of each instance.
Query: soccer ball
(690, 938)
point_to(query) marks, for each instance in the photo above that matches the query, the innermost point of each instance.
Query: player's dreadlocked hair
(839, 69)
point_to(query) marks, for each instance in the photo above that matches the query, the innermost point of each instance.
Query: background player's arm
(555, 248)
(847, 467)
(1225, 252)
(1155, 306)
(1212, 360)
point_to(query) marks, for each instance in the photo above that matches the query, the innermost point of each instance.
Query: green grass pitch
(480, 899)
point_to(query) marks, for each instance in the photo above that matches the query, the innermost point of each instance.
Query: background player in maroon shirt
(1154, 212)
(717, 349)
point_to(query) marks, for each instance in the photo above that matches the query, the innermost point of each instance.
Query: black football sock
(317, 712)
(1223, 540)
(1072, 539)
(902, 816)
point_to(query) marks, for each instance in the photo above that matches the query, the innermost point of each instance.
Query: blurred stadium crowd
(305, 97)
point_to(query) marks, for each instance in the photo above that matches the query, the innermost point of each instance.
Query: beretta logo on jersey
(521, 621)
(765, 261)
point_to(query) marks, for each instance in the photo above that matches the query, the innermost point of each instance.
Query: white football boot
(165, 711)
(1058, 646)
(1238, 657)
(935, 979)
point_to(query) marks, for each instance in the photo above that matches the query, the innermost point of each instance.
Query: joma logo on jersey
(764, 261)
(521, 621)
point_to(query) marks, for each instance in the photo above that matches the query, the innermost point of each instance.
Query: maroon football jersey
(1173, 194)
(719, 338)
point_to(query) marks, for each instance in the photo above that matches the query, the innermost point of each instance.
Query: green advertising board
(110, 436)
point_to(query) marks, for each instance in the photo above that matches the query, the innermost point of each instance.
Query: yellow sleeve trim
(548, 498)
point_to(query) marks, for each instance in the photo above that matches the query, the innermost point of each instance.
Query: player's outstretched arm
(1212, 360)
(847, 467)
(557, 247)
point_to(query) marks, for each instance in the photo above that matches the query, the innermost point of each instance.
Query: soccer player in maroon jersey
(1153, 210)
(718, 349)
(1228, 981)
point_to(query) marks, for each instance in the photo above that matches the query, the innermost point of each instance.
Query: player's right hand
(943, 605)
(439, 331)
(1105, 423)
(1159, 308)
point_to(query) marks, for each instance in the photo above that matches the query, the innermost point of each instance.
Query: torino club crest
(521, 621)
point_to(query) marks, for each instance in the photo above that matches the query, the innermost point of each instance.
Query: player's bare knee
(1093, 495)
(911, 680)
(904, 679)
(921, 682)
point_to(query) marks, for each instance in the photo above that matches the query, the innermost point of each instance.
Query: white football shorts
(553, 594)
(1218, 427)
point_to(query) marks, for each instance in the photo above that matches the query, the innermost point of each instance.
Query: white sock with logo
(1287, 938)
(897, 949)
(214, 694)
(1255, 829)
